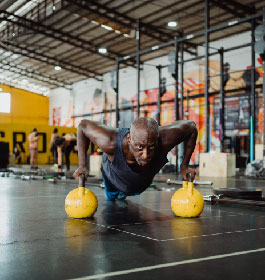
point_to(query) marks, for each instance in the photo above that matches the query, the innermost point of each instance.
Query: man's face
(143, 145)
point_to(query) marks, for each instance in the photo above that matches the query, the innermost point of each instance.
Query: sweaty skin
(139, 148)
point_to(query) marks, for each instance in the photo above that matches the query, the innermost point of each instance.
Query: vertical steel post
(182, 79)
(176, 77)
(159, 67)
(263, 95)
(138, 66)
(222, 102)
(206, 93)
(253, 97)
(117, 93)
(187, 106)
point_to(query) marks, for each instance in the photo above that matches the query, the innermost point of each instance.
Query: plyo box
(217, 165)
(258, 151)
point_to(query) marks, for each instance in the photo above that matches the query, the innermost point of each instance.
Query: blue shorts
(111, 196)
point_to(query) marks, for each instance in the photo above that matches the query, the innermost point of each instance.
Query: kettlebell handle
(82, 180)
(188, 176)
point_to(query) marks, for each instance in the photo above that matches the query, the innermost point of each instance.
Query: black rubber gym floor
(136, 239)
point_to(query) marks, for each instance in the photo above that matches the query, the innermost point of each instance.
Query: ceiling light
(7, 53)
(102, 50)
(15, 56)
(172, 24)
(57, 68)
(106, 27)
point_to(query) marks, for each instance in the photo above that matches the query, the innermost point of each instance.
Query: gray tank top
(119, 176)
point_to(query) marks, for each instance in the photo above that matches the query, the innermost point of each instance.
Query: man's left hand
(185, 170)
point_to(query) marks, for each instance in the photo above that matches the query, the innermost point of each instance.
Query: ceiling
(37, 35)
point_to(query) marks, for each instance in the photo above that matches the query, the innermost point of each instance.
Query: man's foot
(121, 196)
(111, 196)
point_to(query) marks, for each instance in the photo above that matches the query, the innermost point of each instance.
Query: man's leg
(122, 196)
(110, 195)
(67, 158)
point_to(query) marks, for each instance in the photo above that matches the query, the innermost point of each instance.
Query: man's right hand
(79, 171)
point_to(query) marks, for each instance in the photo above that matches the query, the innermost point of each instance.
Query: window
(5, 102)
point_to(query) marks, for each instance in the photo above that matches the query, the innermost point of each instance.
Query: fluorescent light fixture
(15, 56)
(102, 50)
(126, 35)
(106, 27)
(232, 22)
(155, 48)
(57, 68)
(190, 36)
(7, 54)
(172, 24)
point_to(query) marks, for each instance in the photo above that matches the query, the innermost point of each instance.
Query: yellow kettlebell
(187, 201)
(81, 202)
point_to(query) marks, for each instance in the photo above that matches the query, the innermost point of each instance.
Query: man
(65, 144)
(52, 146)
(132, 157)
(33, 148)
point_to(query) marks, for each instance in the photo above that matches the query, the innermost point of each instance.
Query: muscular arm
(102, 136)
(176, 133)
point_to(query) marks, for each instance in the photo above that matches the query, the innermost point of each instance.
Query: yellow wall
(29, 110)
(14, 133)
(26, 107)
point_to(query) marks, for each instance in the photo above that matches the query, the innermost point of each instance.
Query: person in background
(17, 154)
(53, 147)
(33, 148)
(65, 145)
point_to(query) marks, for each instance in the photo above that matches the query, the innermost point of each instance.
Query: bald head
(143, 139)
(147, 124)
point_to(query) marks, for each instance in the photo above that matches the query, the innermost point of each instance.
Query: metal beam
(158, 116)
(117, 111)
(223, 6)
(31, 74)
(246, 9)
(233, 10)
(27, 52)
(206, 87)
(126, 21)
(182, 79)
(193, 36)
(222, 102)
(138, 62)
(252, 129)
(55, 34)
